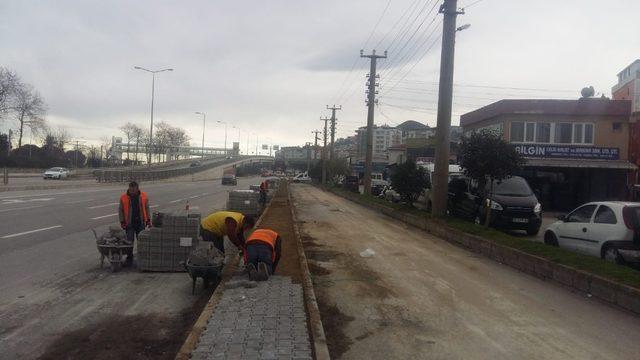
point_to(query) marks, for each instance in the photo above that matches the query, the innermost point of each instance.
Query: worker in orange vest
(262, 252)
(134, 214)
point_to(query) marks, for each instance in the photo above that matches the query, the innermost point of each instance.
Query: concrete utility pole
(308, 146)
(333, 128)
(324, 152)
(315, 144)
(445, 99)
(371, 101)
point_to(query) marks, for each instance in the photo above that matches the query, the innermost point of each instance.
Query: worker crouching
(263, 249)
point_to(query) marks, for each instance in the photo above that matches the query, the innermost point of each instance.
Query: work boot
(263, 272)
(253, 273)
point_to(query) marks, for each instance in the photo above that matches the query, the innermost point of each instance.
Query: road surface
(390, 291)
(50, 284)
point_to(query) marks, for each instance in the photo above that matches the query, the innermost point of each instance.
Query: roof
(583, 107)
(412, 125)
(593, 164)
(630, 65)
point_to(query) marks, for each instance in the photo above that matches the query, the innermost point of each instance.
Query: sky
(269, 68)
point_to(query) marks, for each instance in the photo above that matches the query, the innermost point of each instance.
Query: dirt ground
(389, 291)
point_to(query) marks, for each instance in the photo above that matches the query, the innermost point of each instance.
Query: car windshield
(513, 186)
(55, 169)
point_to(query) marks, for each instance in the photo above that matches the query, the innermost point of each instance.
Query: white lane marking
(20, 201)
(79, 201)
(193, 197)
(175, 201)
(59, 193)
(204, 194)
(101, 206)
(153, 206)
(22, 208)
(30, 232)
(103, 216)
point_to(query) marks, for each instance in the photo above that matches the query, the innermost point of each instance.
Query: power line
(394, 25)
(470, 5)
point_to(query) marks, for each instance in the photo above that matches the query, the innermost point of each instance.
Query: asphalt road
(50, 283)
(389, 291)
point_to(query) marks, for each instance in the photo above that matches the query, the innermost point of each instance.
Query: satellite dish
(588, 92)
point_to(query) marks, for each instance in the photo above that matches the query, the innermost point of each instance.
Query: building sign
(265, 147)
(548, 151)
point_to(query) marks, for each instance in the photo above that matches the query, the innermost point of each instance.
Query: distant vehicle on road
(514, 206)
(195, 164)
(606, 229)
(302, 178)
(425, 197)
(229, 179)
(378, 180)
(58, 173)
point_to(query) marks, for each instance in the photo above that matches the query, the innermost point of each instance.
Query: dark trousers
(132, 234)
(218, 241)
(263, 197)
(257, 252)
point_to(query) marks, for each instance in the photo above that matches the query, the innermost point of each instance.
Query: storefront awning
(581, 163)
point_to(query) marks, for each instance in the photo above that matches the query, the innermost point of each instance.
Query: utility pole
(333, 128)
(445, 99)
(371, 101)
(315, 144)
(308, 145)
(324, 152)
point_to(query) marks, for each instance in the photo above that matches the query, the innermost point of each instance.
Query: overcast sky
(270, 67)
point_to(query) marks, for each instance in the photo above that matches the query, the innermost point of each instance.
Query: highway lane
(50, 283)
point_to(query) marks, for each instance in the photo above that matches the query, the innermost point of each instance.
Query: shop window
(588, 133)
(564, 133)
(530, 130)
(578, 133)
(543, 133)
(517, 131)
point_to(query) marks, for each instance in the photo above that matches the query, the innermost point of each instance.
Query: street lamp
(225, 135)
(153, 84)
(204, 119)
(237, 127)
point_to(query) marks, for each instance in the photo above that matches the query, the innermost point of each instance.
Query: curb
(609, 291)
(320, 349)
(201, 324)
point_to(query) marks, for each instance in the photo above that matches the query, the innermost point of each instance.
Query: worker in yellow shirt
(214, 227)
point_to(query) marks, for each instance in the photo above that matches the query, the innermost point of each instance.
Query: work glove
(123, 225)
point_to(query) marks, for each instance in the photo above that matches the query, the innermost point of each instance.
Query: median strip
(31, 231)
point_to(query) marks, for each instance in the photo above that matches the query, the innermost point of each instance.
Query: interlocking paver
(267, 321)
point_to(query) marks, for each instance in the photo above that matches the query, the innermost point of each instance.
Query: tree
(409, 180)
(9, 83)
(485, 156)
(29, 109)
(128, 129)
(139, 135)
(169, 137)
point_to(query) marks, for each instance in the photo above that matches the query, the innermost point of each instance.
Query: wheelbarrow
(208, 273)
(115, 253)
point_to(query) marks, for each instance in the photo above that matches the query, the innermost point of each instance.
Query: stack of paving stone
(265, 321)
(244, 201)
(159, 248)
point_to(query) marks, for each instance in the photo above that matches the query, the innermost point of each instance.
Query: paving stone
(267, 321)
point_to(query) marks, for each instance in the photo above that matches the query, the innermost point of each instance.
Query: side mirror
(562, 217)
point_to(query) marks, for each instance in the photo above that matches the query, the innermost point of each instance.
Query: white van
(425, 197)
(302, 178)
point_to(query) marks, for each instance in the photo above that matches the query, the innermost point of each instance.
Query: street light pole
(233, 126)
(225, 136)
(204, 119)
(153, 87)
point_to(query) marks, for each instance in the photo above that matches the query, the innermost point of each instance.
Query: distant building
(383, 138)
(576, 150)
(414, 130)
(628, 86)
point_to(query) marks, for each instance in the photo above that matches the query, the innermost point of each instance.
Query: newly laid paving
(263, 320)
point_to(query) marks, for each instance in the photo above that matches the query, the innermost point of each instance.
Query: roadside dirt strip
(388, 290)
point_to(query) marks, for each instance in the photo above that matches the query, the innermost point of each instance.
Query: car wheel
(611, 254)
(550, 239)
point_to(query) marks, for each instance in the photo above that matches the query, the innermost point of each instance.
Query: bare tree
(105, 146)
(9, 83)
(62, 136)
(169, 137)
(138, 135)
(29, 111)
(128, 130)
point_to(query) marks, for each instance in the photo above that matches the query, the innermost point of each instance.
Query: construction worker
(264, 187)
(214, 227)
(262, 252)
(134, 214)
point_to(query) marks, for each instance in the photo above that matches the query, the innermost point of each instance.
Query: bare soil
(152, 337)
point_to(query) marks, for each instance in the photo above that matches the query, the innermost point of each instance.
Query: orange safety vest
(263, 236)
(126, 206)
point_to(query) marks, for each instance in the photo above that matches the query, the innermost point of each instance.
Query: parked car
(302, 178)
(514, 206)
(389, 194)
(195, 164)
(425, 199)
(378, 180)
(229, 179)
(352, 183)
(56, 173)
(606, 229)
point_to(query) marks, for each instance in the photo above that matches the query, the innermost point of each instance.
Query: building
(414, 130)
(383, 137)
(576, 150)
(628, 88)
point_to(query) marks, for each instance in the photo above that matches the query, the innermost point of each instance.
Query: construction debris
(115, 236)
(206, 257)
